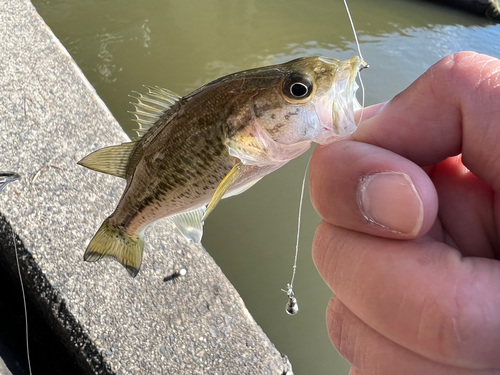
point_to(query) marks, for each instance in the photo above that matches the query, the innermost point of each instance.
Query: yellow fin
(112, 160)
(223, 187)
(110, 242)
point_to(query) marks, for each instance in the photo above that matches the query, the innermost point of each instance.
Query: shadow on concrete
(48, 353)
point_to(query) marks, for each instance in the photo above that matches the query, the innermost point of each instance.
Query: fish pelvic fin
(111, 242)
(223, 187)
(112, 160)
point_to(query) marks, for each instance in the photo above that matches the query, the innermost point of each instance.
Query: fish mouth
(6, 177)
(340, 102)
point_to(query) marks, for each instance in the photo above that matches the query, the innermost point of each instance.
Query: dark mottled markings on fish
(294, 113)
(261, 109)
(276, 128)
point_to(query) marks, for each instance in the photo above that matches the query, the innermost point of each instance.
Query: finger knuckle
(342, 335)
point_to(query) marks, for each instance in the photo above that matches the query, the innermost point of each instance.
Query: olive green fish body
(217, 142)
(172, 176)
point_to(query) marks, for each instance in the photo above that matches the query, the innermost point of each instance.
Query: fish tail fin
(112, 242)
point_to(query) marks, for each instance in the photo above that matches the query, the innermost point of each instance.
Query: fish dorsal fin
(190, 224)
(223, 187)
(112, 160)
(151, 105)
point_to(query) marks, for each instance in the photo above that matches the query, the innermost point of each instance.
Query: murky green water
(123, 44)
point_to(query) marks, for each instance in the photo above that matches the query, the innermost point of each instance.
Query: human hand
(409, 241)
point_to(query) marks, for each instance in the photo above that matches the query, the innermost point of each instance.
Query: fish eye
(297, 87)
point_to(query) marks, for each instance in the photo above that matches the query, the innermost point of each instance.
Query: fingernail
(390, 200)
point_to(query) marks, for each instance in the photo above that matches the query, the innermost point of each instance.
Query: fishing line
(360, 55)
(292, 307)
(353, 29)
(24, 302)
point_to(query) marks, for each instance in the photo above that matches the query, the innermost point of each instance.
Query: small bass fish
(217, 142)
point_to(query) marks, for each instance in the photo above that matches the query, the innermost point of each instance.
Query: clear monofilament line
(360, 55)
(362, 98)
(298, 224)
(292, 306)
(353, 28)
(24, 302)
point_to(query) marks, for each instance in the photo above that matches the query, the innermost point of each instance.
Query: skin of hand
(409, 241)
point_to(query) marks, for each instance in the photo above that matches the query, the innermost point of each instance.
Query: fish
(6, 177)
(217, 142)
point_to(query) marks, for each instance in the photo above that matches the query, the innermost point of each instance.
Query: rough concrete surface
(3, 369)
(50, 117)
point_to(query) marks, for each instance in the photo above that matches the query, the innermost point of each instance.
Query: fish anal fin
(223, 187)
(112, 160)
(190, 224)
(110, 242)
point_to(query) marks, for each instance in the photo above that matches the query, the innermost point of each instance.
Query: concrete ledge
(50, 117)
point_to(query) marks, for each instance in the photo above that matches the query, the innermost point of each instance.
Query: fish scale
(170, 173)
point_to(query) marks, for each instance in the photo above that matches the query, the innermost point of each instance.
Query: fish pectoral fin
(223, 187)
(112, 160)
(190, 224)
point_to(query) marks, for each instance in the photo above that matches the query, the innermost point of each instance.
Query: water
(123, 44)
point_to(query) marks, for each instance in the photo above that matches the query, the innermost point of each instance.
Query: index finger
(452, 108)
